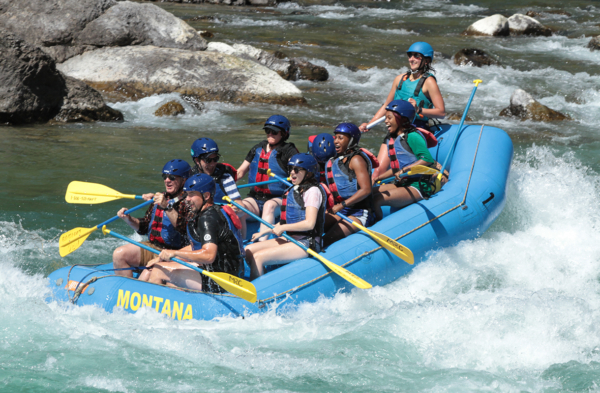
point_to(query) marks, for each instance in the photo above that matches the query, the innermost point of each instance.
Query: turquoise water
(516, 310)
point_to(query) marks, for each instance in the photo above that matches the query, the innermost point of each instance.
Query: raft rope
(263, 302)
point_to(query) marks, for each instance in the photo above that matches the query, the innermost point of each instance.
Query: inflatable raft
(464, 209)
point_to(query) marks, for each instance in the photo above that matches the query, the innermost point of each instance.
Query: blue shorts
(366, 217)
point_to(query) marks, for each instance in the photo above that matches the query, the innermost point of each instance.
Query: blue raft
(464, 209)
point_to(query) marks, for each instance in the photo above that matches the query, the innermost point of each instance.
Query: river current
(515, 310)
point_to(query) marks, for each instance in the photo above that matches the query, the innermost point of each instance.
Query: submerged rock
(456, 116)
(524, 106)
(33, 90)
(194, 101)
(129, 23)
(473, 57)
(520, 24)
(594, 43)
(171, 108)
(495, 25)
(289, 69)
(139, 71)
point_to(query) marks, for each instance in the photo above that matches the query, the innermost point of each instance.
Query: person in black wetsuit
(216, 244)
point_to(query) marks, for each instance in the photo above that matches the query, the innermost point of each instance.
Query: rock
(33, 90)
(289, 69)
(594, 43)
(60, 53)
(194, 101)
(129, 23)
(206, 34)
(50, 22)
(171, 108)
(84, 104)
(455, 116)
(524, 106)
(520, 24)
(138, 71)
(495, 25)
(473, 57)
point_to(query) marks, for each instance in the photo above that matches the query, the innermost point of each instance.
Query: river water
(516, 310)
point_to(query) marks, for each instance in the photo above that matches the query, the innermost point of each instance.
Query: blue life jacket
(293, 211)
(341, 180)
(163, 232)
(400, 152)
(414, 89)
(261, 162)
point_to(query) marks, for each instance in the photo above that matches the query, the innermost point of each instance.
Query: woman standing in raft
(348, 178)
(302, 217)
(417, 86)
(274, 154)
(406, 147)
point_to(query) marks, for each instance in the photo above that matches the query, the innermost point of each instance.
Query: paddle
(462, 120)
(347, 275)
(258, 184)
(414, 170)
(384, 241)
(230, 283)
(91, 193)
(72, 240)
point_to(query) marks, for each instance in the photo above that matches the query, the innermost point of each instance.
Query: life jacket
(162, 231)
(263, 161)
(401, 154)
(414, 89)
(293, 211)
(341, 180)
(219, 176)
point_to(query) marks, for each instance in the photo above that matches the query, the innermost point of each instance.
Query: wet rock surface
(124, 73)
(171, 108)
(525, 107)
(520, 24)
(495, 25)
(594, 43)
(84, 104)
(473, 57)
(456, 116)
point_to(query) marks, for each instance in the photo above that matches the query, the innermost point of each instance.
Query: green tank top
(408, 91)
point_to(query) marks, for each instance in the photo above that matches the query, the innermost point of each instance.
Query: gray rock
(84, 104)
(171, 108)
(495, 25)
(525, 107)
(473, 57)
(139, 71)
(50, 22)
(594, 43)
(194, 101)
(520, 24)
(129, 23)
(33, 90)
(61, 53)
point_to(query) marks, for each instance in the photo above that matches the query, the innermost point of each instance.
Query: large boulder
(594, 43)
(129, 23)
(495, 25)
(138, 71)
(289, 69)
(524, 106)
(474, 58)
(33, 90)
(520, 24)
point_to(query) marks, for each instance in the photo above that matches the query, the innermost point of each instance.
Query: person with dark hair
(322, 147)
(405, 147)
(215, 242)
(417, 86)
(164, 222)
(273, 153)
(302, 217)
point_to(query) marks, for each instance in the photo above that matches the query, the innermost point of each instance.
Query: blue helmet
(403, 108)
(305, 161)
(423, 48)
(281, 122)
(201, 183)
(349, 129)
(204, 146)
(177, 168)
(322, 147)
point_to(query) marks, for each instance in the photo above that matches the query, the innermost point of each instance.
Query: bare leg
(124, 257)
(269, 213)
(270, 252)
(173, 273)
(396, 197)
(338, 228)
(145, 275)
(378, 199)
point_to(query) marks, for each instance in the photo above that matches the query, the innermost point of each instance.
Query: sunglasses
(170, 177)
(272, 132)
(415, 55)
(211, 160)
(296, 169)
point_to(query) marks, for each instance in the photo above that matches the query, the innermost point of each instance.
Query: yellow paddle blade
(389, 244)
(92, 193)
(235, 285)
(422, 170)
(347, 275)
(72, 240)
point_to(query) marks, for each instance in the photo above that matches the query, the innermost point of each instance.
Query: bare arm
(243, 169)
(381, 111)
(432, 91)
(204, 256)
